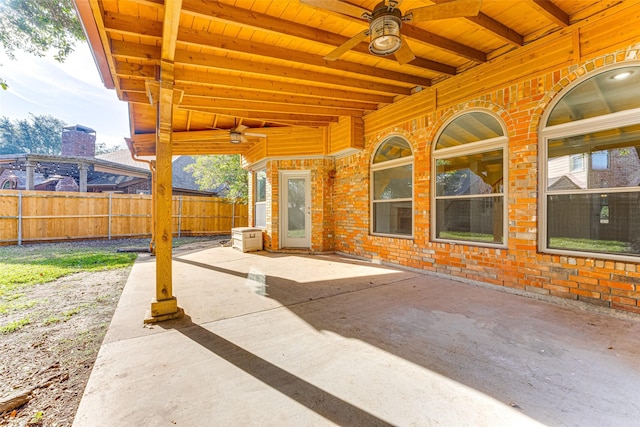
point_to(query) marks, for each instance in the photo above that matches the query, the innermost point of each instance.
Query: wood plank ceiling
(260, 63)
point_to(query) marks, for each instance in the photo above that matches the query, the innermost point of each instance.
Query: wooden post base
(163, 310)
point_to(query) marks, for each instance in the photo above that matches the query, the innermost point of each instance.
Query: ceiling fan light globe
(235, 137)
(385, 35)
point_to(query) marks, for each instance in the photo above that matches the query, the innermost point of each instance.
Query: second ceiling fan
(386, 20)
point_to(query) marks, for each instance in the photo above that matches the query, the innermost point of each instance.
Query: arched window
(469, 176)
(590, 164)
(392, 188)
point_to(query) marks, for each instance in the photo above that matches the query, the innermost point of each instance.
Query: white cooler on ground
(247, 239)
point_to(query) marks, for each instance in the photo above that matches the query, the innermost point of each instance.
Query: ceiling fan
(386, 20)
(238, 134)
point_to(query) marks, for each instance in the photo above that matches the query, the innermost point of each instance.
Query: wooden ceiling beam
(170, 25)
(551, 12)
(235, 15)
(267, 116)
(505, 33)
(291, 99)
(453, 47)
(146, 54)
(140, 52)
(133, 26)
(135, 71)
(241, 65)
(201, 38)
(132, 88)
(226, 104)
(230, 81)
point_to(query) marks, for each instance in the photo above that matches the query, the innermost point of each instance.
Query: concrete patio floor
(296, 340)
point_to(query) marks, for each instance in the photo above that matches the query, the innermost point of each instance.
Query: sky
(72, 92)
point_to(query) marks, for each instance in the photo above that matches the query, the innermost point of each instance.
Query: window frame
(390, 164)
(576, 128)
(482, 146)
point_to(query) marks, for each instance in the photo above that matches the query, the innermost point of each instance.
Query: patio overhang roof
(261, 64)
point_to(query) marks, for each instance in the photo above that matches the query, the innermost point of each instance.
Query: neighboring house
(77, 168)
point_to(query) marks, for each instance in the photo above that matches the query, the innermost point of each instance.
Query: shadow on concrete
(314, 398)
(529, 355)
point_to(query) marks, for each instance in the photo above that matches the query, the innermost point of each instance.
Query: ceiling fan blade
(241, 128)
(337, 6)
(256, 135)
(404, 55)
(453, 9)
(347, 46)
(243, 139)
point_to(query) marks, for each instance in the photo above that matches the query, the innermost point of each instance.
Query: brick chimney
(78, 141)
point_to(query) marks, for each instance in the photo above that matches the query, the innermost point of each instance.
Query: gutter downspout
(152, 167)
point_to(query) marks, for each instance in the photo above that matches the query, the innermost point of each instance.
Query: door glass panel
(296, 207)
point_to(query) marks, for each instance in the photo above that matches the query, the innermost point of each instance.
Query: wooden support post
(163, 96)
(31, 168)
(165, 304)
(82, 167)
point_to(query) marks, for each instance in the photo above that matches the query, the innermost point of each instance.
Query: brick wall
(322, 172)
(520, 105)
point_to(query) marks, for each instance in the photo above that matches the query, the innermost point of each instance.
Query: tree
(36, 26)
(211, 172)
(39, 135)
(101, 148)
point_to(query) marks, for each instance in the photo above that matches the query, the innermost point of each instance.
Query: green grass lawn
(610, 246)
(22, 266)
(465, 235)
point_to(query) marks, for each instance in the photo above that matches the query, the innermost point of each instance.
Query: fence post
(179, 215)
(110, 214)
(20, 218)
(233, 214)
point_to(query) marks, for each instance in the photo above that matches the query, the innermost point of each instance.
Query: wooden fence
(32, 216)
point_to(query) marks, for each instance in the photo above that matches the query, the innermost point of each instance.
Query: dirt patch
(52, 356)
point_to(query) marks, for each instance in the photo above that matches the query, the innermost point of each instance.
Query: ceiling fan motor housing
(384, 29)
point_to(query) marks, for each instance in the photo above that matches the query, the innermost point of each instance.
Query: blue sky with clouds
(72, 92)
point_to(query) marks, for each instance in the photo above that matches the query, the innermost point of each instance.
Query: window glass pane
(479, 173)
(614, 160)
(600, 160)
(470, 127)
(602, 94)
(260, 214)
(296, 197)
(261, 186)
(476, 219)
(393, 183)
(577, 162)
(601, 222)
(392, 218)
(393, 148)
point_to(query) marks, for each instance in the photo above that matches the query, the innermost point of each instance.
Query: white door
(295, 209)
